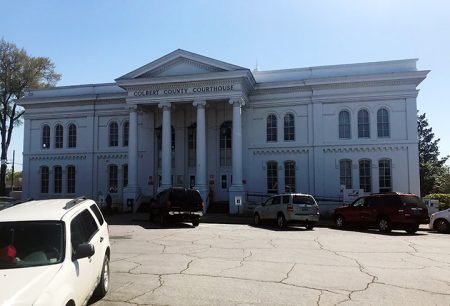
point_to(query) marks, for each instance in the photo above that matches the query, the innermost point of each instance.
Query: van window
(286, 199)
(97, 214)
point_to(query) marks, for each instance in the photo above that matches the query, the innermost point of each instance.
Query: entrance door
(222, 187)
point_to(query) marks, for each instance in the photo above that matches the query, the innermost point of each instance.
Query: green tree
(18, 71)
(432, 167)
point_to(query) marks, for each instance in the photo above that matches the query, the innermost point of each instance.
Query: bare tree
(18, 71)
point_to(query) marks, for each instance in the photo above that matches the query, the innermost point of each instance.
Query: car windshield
(300, 199)
(29, 244)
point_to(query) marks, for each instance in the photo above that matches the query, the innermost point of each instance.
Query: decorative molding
(181, 60)
(364, 149)
(58, 157)
(165, 105)
(279, 151)
(112, 156)
(199, 103)
(238, 101)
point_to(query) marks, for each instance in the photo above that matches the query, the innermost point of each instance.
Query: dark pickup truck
(178, 204)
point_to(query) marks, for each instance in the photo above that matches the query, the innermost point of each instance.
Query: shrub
(443, 198)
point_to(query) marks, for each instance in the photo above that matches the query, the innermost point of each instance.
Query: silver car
(288, 208)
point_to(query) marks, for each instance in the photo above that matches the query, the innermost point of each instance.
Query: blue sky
(98, 41)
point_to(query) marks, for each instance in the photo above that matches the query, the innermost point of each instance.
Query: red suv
(386, 211)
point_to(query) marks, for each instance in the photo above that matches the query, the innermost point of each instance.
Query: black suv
(177, 203)
(386, 211)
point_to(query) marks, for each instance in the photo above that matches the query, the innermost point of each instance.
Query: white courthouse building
(190, 120)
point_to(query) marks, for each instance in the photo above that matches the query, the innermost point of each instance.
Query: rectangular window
(44, 179)
(71, 179)
(346, 173)
(113, 179)
(289, 176)
(58, 179)
(365, 175)
(272, 177)
(192, 147)
(125, 175)
(384, 167)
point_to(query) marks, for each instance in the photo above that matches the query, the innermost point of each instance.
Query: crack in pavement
(241, 263)
(187, 266)
(287, 274)
(362, 269)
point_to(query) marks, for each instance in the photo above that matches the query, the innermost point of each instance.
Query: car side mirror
(84, 250)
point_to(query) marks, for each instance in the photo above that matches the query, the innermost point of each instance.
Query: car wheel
(339, 221)
(281, 221)
(309, 226)
(103, 286)
(384, 225)
(195, 222)
(256, 220)
(412, 229)
(441, 225)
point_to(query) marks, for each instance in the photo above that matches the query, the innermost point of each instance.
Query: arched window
(385, 175)
(365, 175)
(272, 177)
(192, 145)
(383, 123)
(289, 176)
(289, 127)
(45, 137)
(113, 134)
(71, 179)
(363, 124)
(345, 166)
(58, 179)
(271, 128)
(72, 136)
(112, 179)
(59, 136)
(125, 175)
(344, 124)
(225, 144)
(44, 179)
(126, 130)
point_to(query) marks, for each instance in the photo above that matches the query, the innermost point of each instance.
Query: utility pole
(12, 173)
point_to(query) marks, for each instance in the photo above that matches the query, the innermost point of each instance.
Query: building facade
(189, 120)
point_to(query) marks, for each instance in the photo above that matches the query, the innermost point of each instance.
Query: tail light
(168, 204)
(203, 205)
(317, 211)
(290, 207)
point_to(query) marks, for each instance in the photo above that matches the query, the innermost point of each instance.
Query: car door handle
(101, 239)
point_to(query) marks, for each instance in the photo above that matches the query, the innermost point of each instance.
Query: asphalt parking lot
(235, 264)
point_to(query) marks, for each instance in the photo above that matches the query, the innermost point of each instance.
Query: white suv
(288, 208)
(440, 221)
(53, 252)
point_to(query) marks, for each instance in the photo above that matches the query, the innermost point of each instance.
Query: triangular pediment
(180, 63)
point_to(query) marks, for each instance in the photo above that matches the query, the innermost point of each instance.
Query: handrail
(74, 202)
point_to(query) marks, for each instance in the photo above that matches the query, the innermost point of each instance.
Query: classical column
(200, 176)
(166, 154)
(133, 148)
(236, 144)
(131, 199)
(236, 192)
